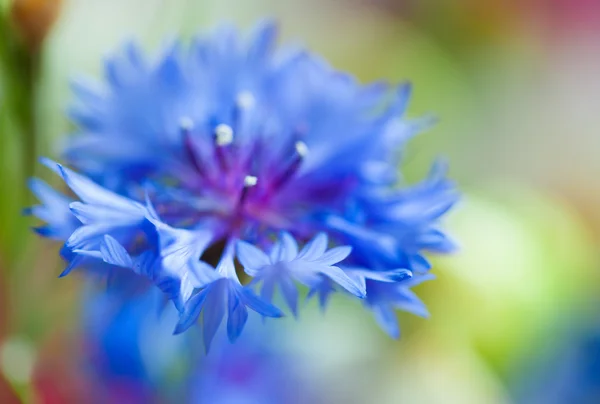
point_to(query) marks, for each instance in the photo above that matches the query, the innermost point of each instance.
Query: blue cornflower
(255, 370)
(129, 353)
(234, 152)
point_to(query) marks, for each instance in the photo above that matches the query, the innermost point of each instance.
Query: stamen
(224, 135)
(223, 138)
(250, 181)
(245, 100)
(301, 152)
(301, 148)
(186, 124)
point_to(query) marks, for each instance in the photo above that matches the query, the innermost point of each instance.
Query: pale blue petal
(91, 254)
(341, 278)
(276, 252)
(252, 258)
(289, 247)
(386, 318)
(192, 310)
(263, 41)
(335, 255)
(393, 275)
(114, 253)
(201, 273)
(268, 288)
(290, 293)
(237, 317)
(86, 234)
(417, 280)
(75, 262)
(314, 248)
(258, 305)
(90, 214)
(179, 246)
(90, 192)
(213, 313)
(419, 263)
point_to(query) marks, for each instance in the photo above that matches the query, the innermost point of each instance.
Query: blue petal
(74, 263)
(276, 253)
(386, 318)
(268, 288)
(53, 201)
(213, 313)
(262, 41)
(114, 253)
(179, 246)
(315, 248)
(335, 255)
(289, 247)
(259, 305)
(237, 317)
(417, 280)
(412, 304)
(403, 92)
(89, 214)
(87, 91)
(306, 273)
(146, 264)
(437, 241)
(89, 233)
(341, 278)
(54, 211)
(251, 258)
(290, 293)
(393, 275)
(192, 310)
(90, 192)
(323, 289)
(172, 288)
(419, 263)
(90, 253)
(201, 273)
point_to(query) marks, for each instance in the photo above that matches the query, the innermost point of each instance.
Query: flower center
(239, 181)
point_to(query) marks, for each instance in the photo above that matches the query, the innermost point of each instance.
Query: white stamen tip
(301, 148)
(224, 135)
(250, 181)
(186, 123)
(245, 100)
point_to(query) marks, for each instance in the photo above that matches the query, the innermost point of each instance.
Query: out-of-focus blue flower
(569, 372)
(232, 142)
(255, 370)
(128, 357)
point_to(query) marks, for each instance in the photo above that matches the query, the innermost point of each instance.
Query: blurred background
(515, 314)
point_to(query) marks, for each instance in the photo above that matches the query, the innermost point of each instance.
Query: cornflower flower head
(232, 156)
